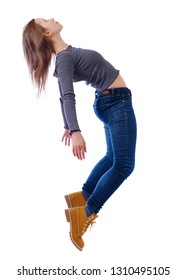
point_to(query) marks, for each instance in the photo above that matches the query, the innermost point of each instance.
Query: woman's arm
(65, 70)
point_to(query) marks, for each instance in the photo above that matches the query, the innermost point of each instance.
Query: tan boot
(75, 199)
(79, 223)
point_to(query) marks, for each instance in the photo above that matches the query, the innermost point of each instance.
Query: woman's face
(51, 26)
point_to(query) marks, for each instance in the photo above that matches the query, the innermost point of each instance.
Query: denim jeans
(116, 112)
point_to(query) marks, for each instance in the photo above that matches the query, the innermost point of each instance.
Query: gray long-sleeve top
(74, 65)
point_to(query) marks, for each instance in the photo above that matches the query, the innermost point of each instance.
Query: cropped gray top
(74, 65)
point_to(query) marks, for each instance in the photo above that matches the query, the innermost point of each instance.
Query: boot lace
(89, 222)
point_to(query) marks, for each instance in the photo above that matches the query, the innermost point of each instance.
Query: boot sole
(68, 218)
(68, 201)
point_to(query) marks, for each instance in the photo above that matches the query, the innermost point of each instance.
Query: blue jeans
(116, 112)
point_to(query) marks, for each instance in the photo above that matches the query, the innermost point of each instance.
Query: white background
(144, 222)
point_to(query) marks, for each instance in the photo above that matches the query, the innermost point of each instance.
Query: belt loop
(113, 90)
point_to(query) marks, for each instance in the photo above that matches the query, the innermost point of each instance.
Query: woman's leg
(100, 168)
(120, 120)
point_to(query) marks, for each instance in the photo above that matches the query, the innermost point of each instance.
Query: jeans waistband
(114, 91)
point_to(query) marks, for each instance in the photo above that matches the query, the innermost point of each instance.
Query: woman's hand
(66, 137)
(78, 145)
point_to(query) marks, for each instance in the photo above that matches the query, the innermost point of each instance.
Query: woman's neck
(59, 44)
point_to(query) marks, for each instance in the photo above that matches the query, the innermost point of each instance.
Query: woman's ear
(47, 33)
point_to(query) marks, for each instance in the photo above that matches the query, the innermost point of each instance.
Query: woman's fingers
(79, 152)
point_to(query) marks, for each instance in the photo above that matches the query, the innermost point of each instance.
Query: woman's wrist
(74, 131)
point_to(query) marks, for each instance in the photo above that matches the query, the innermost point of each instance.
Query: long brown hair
(38, 51)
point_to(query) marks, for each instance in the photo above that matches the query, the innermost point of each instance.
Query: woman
(112, 105)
